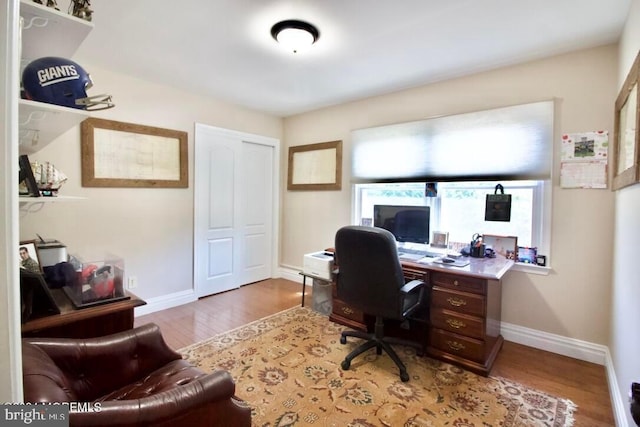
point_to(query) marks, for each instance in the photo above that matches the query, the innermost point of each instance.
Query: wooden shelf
(49, 32)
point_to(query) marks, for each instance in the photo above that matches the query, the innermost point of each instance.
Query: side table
(89, 322)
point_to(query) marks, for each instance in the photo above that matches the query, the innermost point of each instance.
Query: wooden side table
(96, 321)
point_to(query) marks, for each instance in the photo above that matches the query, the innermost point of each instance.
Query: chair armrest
(411, 286)
(207, 400)
(94, 366)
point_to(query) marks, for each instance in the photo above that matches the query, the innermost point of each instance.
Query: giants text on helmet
(57, 74)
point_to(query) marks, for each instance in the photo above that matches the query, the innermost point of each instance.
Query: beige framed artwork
(315, 166)
(119, 154)
(625, 139)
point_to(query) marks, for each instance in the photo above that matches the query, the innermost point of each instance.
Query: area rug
(287, 368)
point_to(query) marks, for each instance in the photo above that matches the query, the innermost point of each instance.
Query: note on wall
(584, 160)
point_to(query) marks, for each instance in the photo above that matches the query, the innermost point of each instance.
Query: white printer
(319, 264)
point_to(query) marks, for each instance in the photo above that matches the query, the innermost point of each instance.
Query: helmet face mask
(62, 82)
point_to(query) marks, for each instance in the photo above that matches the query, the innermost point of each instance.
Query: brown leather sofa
(132, 377)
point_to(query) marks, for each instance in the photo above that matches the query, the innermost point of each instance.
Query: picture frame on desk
(440, 239)
(505, 246)
(29, 257)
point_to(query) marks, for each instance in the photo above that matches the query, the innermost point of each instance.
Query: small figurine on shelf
(50, 3)
(80, 9)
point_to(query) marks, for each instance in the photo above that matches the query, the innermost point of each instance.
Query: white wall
(625, 320)
(152, 229)
(574, 299)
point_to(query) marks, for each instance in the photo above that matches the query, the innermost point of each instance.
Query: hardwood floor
(583, 383)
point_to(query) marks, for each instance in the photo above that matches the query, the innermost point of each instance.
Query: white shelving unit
(42, 123)
(47, 32)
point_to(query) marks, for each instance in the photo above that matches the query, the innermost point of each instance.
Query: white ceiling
(223, 48)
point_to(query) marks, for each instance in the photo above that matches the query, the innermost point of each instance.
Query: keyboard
(417, 251)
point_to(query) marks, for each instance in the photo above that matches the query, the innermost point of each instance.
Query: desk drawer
(461, 302)
(458, 345)
(344, 310)
(463, 324)
(458, 282)
(411, 274)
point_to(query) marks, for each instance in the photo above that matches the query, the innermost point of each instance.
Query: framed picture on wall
(626, 131)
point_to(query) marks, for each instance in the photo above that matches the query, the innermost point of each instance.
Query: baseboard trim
(292, 274)
(618, 401)
(558, 344)
(166, 301)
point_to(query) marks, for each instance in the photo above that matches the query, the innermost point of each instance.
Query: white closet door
(234, 209)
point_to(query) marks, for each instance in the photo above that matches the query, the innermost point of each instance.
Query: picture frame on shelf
(527, 255)
(626, 131)
(505, 246)
(29, 257)
(27, 180)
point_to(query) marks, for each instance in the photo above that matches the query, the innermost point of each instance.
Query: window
(459, 208)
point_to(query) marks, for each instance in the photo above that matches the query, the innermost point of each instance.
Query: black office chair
(370, 279)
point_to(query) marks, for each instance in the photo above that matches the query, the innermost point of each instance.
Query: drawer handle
(456, 324)
(456, 302)
(455, 283)
(347, 310)
(455, 345)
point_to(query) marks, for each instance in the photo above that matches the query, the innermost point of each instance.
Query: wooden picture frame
(505, 246)
(27, 177)
(28, 250)
(440, 239)
(626, 132)
(118, 154)
(315, 166)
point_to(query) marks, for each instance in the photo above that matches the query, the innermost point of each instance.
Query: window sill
(531, 268)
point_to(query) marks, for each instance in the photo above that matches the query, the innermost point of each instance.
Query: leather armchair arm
(207, 400)
(95, 366)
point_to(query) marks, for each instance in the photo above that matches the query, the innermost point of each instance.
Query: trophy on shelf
(80, 9)
(50, 3)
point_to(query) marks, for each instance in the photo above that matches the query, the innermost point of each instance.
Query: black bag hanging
(498, 206)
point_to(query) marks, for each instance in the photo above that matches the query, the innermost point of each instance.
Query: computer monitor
(406, 223)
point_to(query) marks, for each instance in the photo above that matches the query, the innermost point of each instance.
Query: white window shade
(504, 143)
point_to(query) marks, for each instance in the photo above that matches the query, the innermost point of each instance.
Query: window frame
(541, 214)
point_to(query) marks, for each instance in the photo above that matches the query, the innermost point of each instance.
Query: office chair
(370, 279)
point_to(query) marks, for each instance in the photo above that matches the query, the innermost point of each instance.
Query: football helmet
(62, 82)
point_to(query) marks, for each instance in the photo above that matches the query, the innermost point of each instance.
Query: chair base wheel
(404, 377)
(345, 365)
(343, 340)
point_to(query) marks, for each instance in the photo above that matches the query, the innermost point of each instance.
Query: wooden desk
(463, 320)
(87, 322)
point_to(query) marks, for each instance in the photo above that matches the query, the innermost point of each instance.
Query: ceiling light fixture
(295, 35)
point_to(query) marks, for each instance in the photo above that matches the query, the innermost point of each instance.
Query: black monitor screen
(407, 223)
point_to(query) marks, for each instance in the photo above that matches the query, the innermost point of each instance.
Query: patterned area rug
(287, 367)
